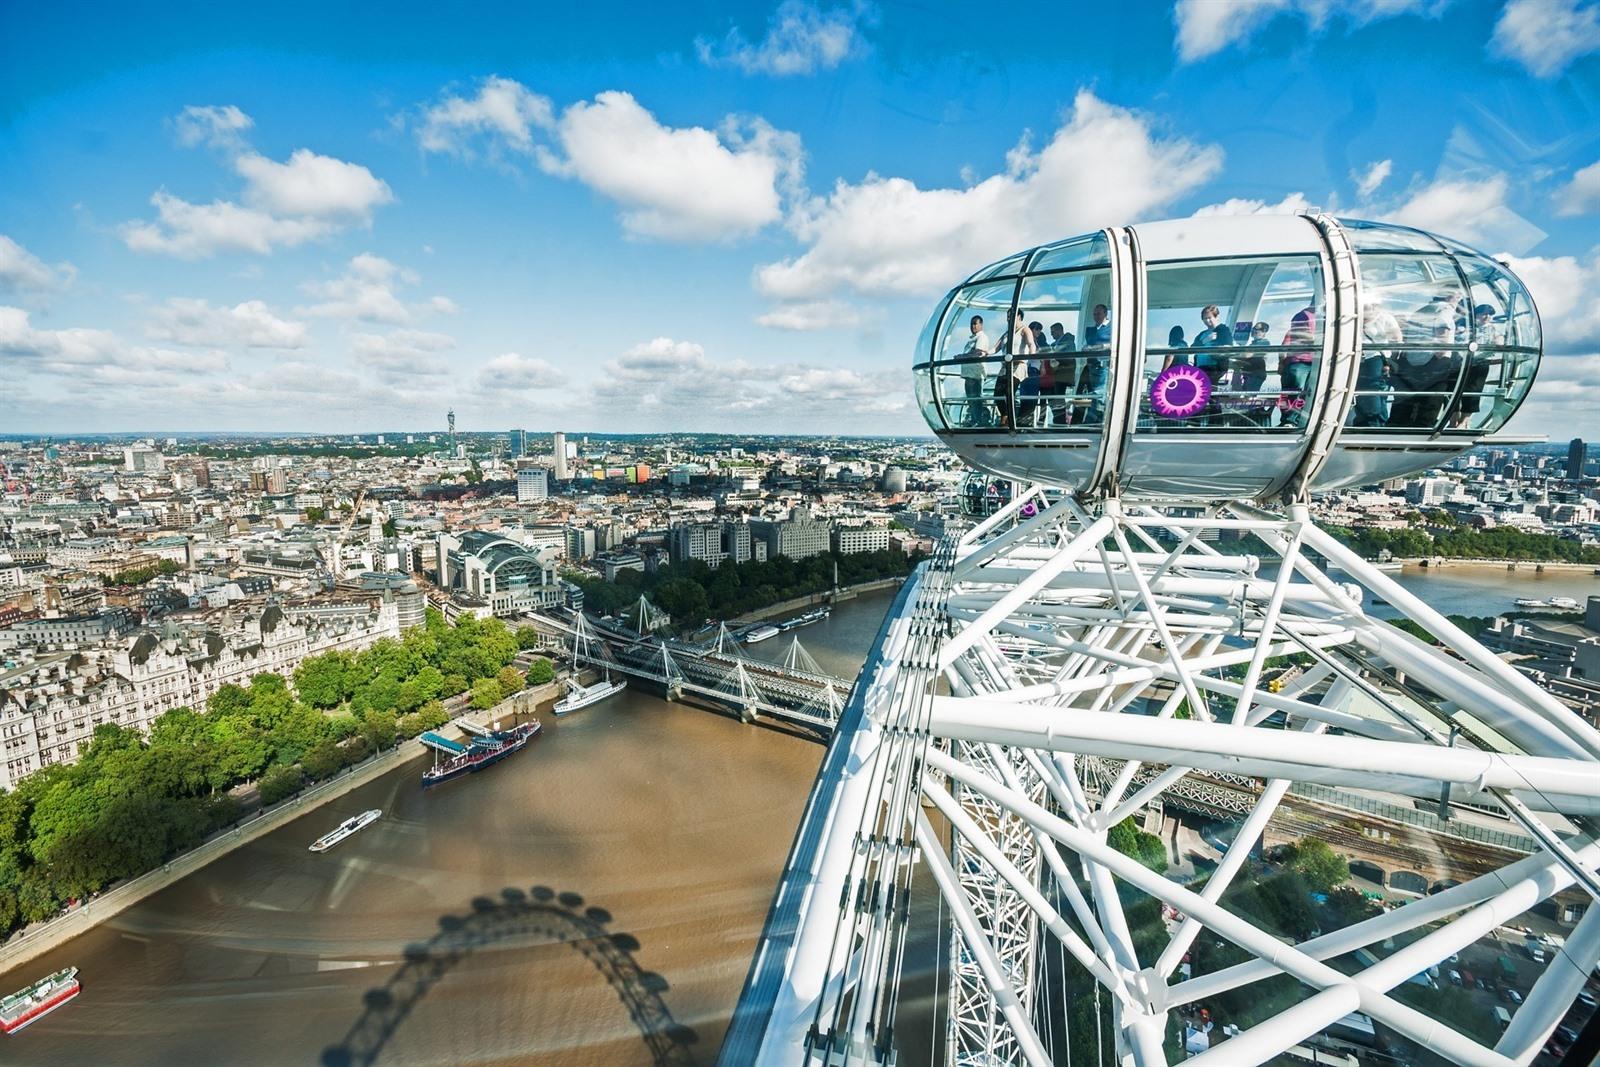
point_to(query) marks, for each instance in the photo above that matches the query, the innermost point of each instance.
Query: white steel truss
(1063, 668)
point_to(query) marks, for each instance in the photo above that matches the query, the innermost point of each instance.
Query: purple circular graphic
(1029, 511)
(1179, 392)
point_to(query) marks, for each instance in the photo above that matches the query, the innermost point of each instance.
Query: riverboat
(484, 751)
(761, 633)
(28, 1006)
(345, 829)
(1566, 603)
(581, 696)
(814, 615)
(1528, 602)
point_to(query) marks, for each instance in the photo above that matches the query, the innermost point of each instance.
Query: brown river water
(594, 900)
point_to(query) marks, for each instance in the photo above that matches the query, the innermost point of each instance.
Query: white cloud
(1546, 35)
(675, 183)
(813, 315)
(665, 383)
(512, 372)
(1376, 175)
(1580, 196)
(801, 38)
(1563, 289)
(90, 357)
(1103, 165)
(1292, 204)
(22, 271)
(217, 126)
(403, 354)
(1206, 27)
(186, 321)
(367, 291)
(1468, 209)
(284, 204)
(312, 186)
(503, 111)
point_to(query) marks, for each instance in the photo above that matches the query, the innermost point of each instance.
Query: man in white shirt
(978, 345)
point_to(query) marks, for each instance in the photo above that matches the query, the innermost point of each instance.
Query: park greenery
(692, 591)
(141, 575)
(1438, 533)
(131, 802)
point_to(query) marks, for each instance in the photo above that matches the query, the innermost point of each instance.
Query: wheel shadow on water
(539, 916)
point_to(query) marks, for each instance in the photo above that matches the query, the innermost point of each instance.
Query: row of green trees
(141, 575)
(132, 802)
(1441, 535)
(692, 591)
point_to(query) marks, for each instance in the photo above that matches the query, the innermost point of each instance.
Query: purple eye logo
(1029, 511)
(1179, 392)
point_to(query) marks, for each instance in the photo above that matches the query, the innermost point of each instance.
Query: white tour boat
(581, 696)
(345, 829)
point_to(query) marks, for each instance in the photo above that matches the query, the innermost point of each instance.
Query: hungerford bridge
(1155, 566)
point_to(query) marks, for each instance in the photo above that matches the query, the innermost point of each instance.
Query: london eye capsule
(1228, 357)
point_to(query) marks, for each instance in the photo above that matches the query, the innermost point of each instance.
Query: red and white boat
(38, 1000)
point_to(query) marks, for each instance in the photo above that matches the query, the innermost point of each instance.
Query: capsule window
(969, 375)
(1061, 383)
(1231, 345)
(1416, 328)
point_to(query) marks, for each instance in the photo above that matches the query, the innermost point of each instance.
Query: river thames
(658, 829)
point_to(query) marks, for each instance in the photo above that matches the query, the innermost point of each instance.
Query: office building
(798, 536)
(852, 539)
(560, 449)
(519, 444)
(1577, 456)
(531, 486)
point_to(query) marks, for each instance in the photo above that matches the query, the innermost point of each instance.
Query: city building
(518, 444)
(1577, 455)
(710, 542)
(851, 539)
(581, 543)
(799, 536)
(560, 449)
(531, 486)
(509, 575)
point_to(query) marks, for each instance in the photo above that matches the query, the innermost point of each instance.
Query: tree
(1133, 842)
(510, 679)
(322, 760)
(323, 681)
(453, 685)
(485, 693)
(527, 637)
(280, 782)
(541, 672)
(379, 729)
(1322, 867)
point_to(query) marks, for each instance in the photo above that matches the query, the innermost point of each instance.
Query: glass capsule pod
(1227, 357)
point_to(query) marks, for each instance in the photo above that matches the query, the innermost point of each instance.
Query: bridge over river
(796, 691)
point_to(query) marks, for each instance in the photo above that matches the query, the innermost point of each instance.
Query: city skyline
(711, 223)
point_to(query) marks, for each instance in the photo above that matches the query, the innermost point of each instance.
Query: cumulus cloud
(685, 183)
(886, 235)
(368, 291)
(504, 112)
(513, 372)
(1292, 204)
(403, 354)
(813, 315)
(667, 383)
(801, 38)
(1545, 36)
(22, 271)
(216, 126)
(1206, 27)
(92, 357)
(1469, 209)
(283, 204)
(1376, 175)
(1580, 196)
(252, 324)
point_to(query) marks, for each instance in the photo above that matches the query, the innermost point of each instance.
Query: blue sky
(645, 217)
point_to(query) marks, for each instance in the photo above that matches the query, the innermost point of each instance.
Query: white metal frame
(1085, 657)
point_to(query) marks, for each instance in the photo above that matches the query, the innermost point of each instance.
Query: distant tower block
(450, 417)
(375, 528)
(560, 449)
